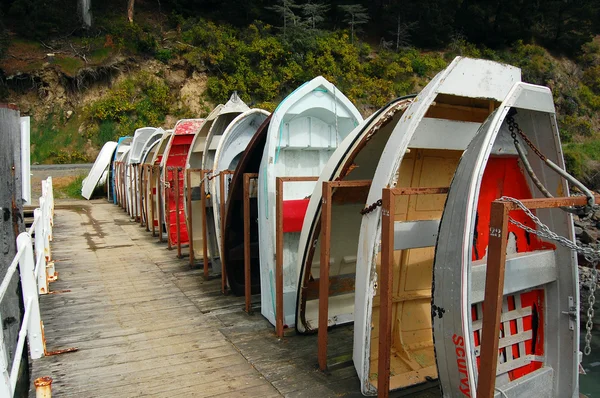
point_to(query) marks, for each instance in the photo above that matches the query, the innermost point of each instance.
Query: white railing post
(30, 295)
(40, 257)
(50, 188)
(5, 388)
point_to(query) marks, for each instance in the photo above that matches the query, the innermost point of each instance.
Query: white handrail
(33, 269)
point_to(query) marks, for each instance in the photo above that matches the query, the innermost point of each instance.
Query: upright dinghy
(98, 169)
(123, 146)
(232, 145)
(139, 142)
(305, 129)
(234, 107)
(175, 157)
(355, 159)
(422, 151)
(155, 187)
(538, 338)
(233, 252)
(194, 166)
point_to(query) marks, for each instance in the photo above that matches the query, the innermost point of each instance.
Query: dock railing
(36, 269)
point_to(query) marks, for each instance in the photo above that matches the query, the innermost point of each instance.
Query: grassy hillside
(124, 76)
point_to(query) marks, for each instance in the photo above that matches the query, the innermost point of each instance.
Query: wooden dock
(146, 324)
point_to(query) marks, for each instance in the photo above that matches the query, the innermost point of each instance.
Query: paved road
(62, 175)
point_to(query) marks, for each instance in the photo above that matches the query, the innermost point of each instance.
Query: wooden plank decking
(146, 324)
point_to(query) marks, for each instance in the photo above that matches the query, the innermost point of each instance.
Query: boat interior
(435, 149)
(358, 164)
(234, 229)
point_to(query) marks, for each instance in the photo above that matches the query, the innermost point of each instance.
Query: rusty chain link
(512, 126)
(371, 207)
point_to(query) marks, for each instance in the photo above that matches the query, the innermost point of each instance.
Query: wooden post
(151, 195)
(386, 283)
(11, 222)
(279, 257)
(247, 242)
(324, 274)
(138, 194)
(168, 180)
(147, 174)
(177, 211)
(189, 219)
(203, 174)
(134, 189)
(222, 175)
(123, 196)
(161, 207)
(279, 313)
(492, 303)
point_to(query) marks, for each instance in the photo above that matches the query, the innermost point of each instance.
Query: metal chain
(512, 126)
(590, 311)
(590, 254)
(371, 207)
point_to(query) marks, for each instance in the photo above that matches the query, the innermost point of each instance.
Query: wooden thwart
(279, 248)
(386, 278)
(345, 192)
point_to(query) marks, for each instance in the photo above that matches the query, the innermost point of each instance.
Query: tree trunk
(130, 4)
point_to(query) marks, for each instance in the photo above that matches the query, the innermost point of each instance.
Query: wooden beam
(168, 180)
(147, 174)
(204, 232)
(492, 304)
(177, 170)
(160, 204)
(420, 191)
(338, 284)
(324, 274)
(279, 257)
(279, 313)
(247, 242)
(386, 283)
(189, 219)
(222, 175)
(151, 195)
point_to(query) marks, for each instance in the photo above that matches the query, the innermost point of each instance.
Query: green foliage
(69, 65)
(263, 67)
(141, 100)
(73, 189)
(164, 55)
(55, 139)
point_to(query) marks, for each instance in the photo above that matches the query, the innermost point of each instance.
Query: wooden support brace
(324, 274)
(222, 202)
(247, 242)
(177, 171)
(160, 204)
(279, 313)
(203, 174)
(386, 282)
(189, 219)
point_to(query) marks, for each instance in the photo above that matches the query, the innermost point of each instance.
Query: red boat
(176, 157)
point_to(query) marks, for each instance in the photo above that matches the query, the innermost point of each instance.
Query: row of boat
(456, 133)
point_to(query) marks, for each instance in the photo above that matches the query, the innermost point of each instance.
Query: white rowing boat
(422, 151)
(100, 165)
(305, 130)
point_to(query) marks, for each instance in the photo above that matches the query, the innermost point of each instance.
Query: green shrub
(142, 100)
(164, 55)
